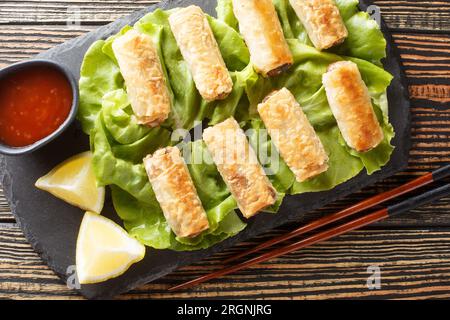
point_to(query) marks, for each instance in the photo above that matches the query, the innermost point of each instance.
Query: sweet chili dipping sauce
(34, 102)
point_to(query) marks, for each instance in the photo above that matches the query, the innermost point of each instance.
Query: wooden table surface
(412, 251)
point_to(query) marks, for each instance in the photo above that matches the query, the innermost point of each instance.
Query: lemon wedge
(104, 250)
(74, 182)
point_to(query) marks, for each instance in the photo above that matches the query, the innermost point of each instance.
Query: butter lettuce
(98, 76)
(119, 143)
(188, 105)
(146, 222)
(365, 40)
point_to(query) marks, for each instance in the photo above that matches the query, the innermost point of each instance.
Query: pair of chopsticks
(389, 211)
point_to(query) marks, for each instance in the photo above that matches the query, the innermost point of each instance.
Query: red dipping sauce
(34, 102)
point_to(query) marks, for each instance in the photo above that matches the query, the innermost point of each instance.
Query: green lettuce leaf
(132, 142)
(146, 222)
(109, 169)
(224, 12)
(305, 83)
(98, 76)
(119, 118)
(365, 40)
(276, 169)
(143, 220)
(342, 165)
(107, 46)
(188, 105)
(119, 143)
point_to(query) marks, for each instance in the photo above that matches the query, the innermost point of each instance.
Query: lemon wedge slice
(104, 250)
(74, 182)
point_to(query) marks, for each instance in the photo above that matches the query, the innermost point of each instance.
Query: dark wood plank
(19, 42)
(416, 15)
(426, 58)
(60, 11)
(55, 12)
(5, 213)
(338, 269)
(400, 15)
(413, 263)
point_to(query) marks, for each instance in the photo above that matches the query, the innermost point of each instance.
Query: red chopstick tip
(191, 283)
(175, 288)
(182, 286)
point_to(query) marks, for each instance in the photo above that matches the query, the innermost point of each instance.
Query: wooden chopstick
(357, 208)
(389, 211)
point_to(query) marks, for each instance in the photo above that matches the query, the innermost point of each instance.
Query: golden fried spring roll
(262, 32)
(351, 105)
(293, 135)
(176, 193)
(322, 21)
(239, 167)
(201, 53)
(146, 86)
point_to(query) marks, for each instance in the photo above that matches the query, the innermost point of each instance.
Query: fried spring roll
(146, 86)
(176, 193)
(201, 53)
(351, 105)
(239, 167)
(322, 21)
(293, 135)
(262, 32)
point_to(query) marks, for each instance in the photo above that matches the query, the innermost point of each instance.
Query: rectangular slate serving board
(51, 225)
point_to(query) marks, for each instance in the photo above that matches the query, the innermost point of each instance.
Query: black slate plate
(52, 225)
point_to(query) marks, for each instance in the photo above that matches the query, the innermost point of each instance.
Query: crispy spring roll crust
(262, 32)
(351, 105)
(176, 192)
(201, 52)
(141, 68)
(293, 135)
(239, 167)
(322, 21)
